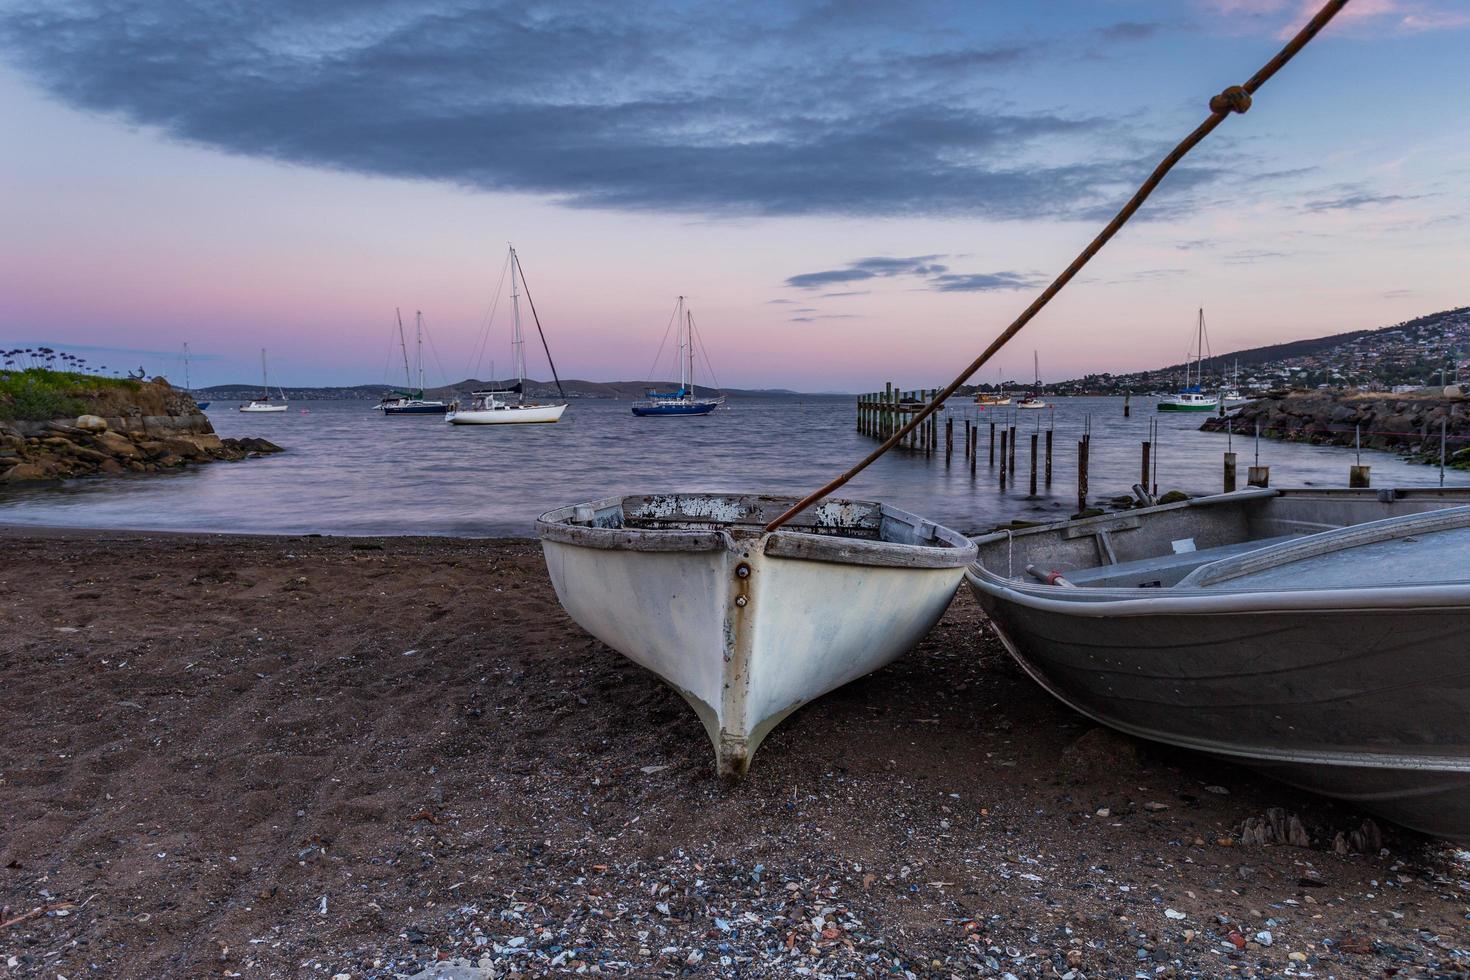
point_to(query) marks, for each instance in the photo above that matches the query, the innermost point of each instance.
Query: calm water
(350, 470)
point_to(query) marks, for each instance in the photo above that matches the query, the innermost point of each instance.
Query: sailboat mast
(683, 334)
(403, 346)
(264, 383)
(689, 322)
(186, 366)
(418, 326)
(517, 345)
(1199, 354)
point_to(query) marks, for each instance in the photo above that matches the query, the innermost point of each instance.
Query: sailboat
(1033, 400)
(998, 397)
(409, 402)
(1231, 395)
(686, 400)
(1192, 398)
(187, 387)
(495, 406)
(264, 403)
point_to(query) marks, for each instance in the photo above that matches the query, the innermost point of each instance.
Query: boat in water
(410, 402)
(509, 406)
(1315, 635)
(686, 401)
(746, 625)
(1192, 397)
(1033, 400)
(264, 403)
(996, 398)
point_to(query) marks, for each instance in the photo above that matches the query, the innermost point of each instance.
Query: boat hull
(1356, 693)
(749, 626)
(1169, 406)
(415, 409)
(681, 410)
(258, 409)
(508, 415)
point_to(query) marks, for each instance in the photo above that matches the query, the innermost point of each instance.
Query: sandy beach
(315, 757)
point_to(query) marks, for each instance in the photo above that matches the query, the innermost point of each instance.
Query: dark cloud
(849, 292)
(875, 267)
(935, 275)
(842, 109)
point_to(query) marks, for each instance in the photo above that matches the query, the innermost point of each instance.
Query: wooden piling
(1358, 476)
(1013, 449)
(1081, 475)
(1258, 476)
(992, 445)
(949, 438)
(1003, 434)
(1145, 448)
(1033, 464)
(974, 448)
(1049, 434)
(1125, 404)
(1229, 483)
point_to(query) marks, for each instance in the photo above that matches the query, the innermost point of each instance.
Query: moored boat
(509, 406)
(1315, 635)
(264, 403)
(1033, 401)
(748, 626)
(1192, 396)
(686, 401)
(409, 401)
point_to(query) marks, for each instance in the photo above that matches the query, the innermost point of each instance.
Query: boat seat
(1163, 571)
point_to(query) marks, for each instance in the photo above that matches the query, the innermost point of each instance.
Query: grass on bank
(39, 394)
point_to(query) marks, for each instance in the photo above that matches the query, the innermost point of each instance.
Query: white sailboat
(1034, 400)
(508, 406)
(264, 403)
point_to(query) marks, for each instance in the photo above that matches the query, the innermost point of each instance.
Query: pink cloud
(1408, 17)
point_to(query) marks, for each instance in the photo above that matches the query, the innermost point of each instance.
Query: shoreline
(278, 755)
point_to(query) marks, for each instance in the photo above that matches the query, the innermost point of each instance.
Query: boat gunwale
(950, 550)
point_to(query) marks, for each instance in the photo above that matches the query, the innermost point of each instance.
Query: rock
(1074, 958)
(1276, 827)
(91, 423)
(23, 472)
(1263, 937)
(115, 445)
(1174, 497)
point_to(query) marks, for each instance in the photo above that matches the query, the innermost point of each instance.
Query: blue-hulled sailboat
(686, 401)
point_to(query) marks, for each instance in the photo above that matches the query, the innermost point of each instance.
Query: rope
(1236, 98)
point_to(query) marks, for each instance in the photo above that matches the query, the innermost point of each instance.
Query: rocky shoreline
(154, 428)
(1409, 424)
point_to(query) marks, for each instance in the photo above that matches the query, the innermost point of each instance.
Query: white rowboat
(749, 626)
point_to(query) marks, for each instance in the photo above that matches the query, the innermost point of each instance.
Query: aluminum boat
(748, 626)
(1315, 635)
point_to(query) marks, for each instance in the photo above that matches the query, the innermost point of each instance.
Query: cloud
(1248, 256)
(874, 267)
(850, 292)
(663, 107)
(935, 275)
(1355, 200)
(824, 316)
(1378, 17)
(1129, 30)
(982, 282)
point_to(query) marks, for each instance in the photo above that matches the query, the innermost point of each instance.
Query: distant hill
(1412, 352)
(574, 388)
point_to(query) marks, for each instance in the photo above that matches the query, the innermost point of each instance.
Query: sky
(847, 191)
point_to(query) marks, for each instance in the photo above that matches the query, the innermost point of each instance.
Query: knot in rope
(1233, 99)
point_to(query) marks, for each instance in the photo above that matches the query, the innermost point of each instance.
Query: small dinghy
(749, 626)
(1316, 635)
